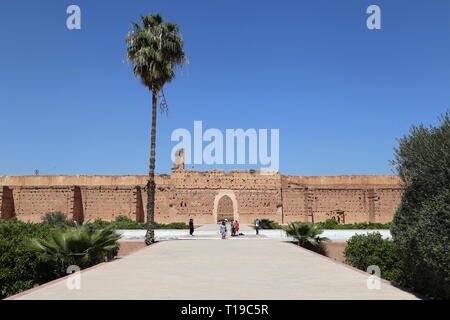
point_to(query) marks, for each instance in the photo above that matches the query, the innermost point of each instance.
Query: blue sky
(339, 93)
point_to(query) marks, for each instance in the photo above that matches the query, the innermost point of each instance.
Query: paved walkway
(220, 269)
(216, 227)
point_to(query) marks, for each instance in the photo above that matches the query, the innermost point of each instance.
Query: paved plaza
(220, 269)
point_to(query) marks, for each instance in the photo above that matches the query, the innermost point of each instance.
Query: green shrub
(363, 251)
(20, 269)
(57, 219)
(81, 246)
(173, 225)
(98, 224)
(307, 235)
(333, 224)
(421, 224)
(268, 224)
(123, 223)
(329, 224)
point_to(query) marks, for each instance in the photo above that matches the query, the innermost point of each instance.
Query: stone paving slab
(220, 269)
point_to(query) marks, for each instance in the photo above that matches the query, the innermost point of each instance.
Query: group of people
(234, 225)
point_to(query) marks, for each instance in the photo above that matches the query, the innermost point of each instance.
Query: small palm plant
(81, 246)
(307, 234)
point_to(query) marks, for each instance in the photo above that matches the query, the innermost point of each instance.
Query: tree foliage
(421, 225)
(155, 48)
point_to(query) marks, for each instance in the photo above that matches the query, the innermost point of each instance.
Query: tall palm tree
(155, 49)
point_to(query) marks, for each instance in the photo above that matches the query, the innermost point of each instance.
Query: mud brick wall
(386, 202)
(31, 203)
(262, 204)
(358, 198)
(108, 202)
(353, 202)
(189, 194)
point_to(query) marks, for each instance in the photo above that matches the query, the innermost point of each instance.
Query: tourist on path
(257, 223)
(191, 227)
(233, 228)
(237, 227)
(223, 230)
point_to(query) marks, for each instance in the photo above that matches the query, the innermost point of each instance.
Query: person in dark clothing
(257, 224)
(191, 227)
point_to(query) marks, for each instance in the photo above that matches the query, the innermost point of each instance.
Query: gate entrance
(225, 209)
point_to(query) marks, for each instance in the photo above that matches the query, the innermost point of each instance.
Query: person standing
(223, 230)
(233, 228)
(237, 227)
(191, 227)
(257, 223)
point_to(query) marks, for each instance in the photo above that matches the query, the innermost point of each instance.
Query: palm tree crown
(155, 49)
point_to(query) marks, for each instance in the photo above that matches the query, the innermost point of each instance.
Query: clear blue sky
(339, 93)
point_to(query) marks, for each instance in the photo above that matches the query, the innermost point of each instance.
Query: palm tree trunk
(151, 186)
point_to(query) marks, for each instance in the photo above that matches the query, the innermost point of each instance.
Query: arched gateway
(225, 206)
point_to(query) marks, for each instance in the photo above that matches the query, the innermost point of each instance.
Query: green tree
(421, 224)
(155, 49)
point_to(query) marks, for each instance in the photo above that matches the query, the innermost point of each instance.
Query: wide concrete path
(220, 269)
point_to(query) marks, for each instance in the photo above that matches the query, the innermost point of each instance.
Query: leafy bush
(98, 224)
(123, 222)
(81, 246)
(333, 224)
(268, 224)
(20, 269)
(363, 251)
(57, 219)
(173, 225)
(307, 235)
(421, 224)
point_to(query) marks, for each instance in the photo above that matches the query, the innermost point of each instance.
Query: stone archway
(222, 198)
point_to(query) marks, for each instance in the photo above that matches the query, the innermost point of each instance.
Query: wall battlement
(188, 194)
